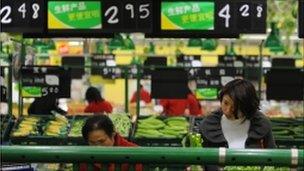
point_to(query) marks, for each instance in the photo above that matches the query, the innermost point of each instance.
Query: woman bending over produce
(97, 104)
(99, 131)
(238, 123)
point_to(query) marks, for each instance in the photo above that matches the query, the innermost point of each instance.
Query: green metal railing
(153, 155)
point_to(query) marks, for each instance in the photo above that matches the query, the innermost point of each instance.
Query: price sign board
(43, 81)
(168, 18)
(127, 16)
(218, 18)
(22, 16)
(186, 60)
(212, 79)
(74, 15)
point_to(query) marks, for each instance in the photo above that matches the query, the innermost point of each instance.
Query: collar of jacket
(212, 130)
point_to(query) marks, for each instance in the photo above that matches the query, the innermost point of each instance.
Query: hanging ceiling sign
(210, 18)
(22, 16)
(174, 18)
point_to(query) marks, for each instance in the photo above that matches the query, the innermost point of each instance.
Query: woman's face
(100, 138)
(227, 106)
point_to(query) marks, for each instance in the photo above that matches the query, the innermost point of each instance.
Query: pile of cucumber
(152, 127)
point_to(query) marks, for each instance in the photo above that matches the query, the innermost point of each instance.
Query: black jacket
(259, 134)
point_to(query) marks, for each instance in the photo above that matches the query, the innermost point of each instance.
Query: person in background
(98, 130)
(45, 105)
(97, 104)
(144, 96)
(177, 107)
(238, 123)
(194, 105)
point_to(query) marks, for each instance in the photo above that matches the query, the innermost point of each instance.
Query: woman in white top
(238, 123)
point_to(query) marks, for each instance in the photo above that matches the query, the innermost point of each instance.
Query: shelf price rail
(152, 155)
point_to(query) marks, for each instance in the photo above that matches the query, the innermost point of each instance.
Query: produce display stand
(285, 131)
(38, 138)
(292, 158)
(7, 123)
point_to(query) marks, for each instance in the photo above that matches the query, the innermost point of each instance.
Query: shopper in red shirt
(177, 107)
(144, 95)
(99, 131)
(96, 103)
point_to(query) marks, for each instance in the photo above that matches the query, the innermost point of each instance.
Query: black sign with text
(127, 16)
(101, 65)
(22, 16)
(228, 18)
(186, 60)
(42, 81)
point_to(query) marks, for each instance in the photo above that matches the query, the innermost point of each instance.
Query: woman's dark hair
(98, 122)
(244, 96)
(93, 95)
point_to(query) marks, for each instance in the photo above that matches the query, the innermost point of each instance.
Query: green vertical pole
(138, 90)
(126, 71)
(260, 69)
(10, 85)
(22, 56)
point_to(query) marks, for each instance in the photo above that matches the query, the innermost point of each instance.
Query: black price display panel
(289, 89)
(22, 16)
(127, 15)
(104, 64)
(46, 81)
(301, 19)
(219, 18)
(187, 60)
(211, 79)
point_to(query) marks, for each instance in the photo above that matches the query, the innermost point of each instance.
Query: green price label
(74, 15)
(206, 93)
(31, 92)
(187, 15)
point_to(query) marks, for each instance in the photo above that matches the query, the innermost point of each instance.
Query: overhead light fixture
(209, 44)
(195, 42)
(116, 42)
(128, 43)
(297, 53)
(273, 41)
(231, 51)
(99, 47)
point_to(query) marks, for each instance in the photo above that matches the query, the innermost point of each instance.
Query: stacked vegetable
(288, 129)
(57, 127)
(122, 123)
(255, 168)
(152, 127)
(28, 126)
(76, 128)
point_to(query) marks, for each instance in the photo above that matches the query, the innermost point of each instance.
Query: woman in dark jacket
(238, 123)
(45, 106)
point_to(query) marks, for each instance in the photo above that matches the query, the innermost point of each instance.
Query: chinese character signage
(74, 15)
(187, 15)
(46, 81)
